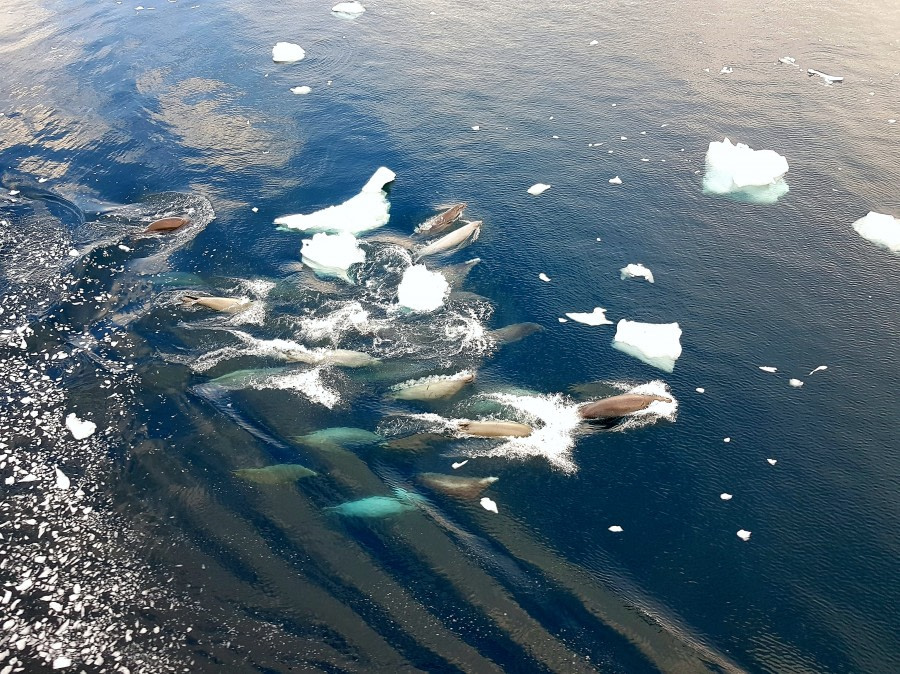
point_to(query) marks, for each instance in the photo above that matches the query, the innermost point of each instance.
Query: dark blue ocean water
(112, 116)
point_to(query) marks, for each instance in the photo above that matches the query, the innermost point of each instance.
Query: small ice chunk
(818, 369)
(772, 462)
(593, 42)
(476, 128)
(421, 289)
(301, 90)
(332, 254)
(13, 193)
(80, 429)
(726, 70)
(349, 10)
(796, 383)
(725, 496)
(880, 229)
(636, 271)
(42, 180)
(755, 175)
(544, 277)
(62, 662)
(596, 317)
(62, 480)
(538, 188)
(488, 504)
(892, 121)
(287, 52)
(828, 78)
(657, 344)
(73, 252)
(788, 60)
(615, 181)
(743, 534)
(726, 439)
(768, 368)
(255, 209)
(563, 320)
(459, 464)
(700, 389)
(616, 529)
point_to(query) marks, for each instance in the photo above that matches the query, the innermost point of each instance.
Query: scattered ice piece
(349, 10)
(301, 90)
(700, 389)
(422, 290)
(332, 254)
(616, 529)
(459, 464)
(755, 175)
(880, 229)
(122, 246)
(80, 429)
(725, 496)
(13, 193)
(788, 60)
(623, 137)
(596, 317)
(615, 181)
(796, 383)
(255, 209)
(743, 534)
(599, 239)
(772, 462)
(768, 368)
(818, 369)
(544, 277)
(287, 52)
(62, 480)
(488, 504)
(555, 137)
(593, 42)
(42, 180)
(538, 188)
(562, 320)
(726, 439)
(476, 128)
(657, 344)
(73, 252)
(62, 662)
(636, 271)
(828, 78)
(726, 70)
(890, 121)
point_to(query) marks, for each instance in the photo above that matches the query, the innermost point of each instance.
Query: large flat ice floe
(332, 254)
(595, 317)
(421, 289)
(756, 176)
(367, 210)
(287, 52)
(657, 344)
(635, 271)
(880, 229)
(349, 10)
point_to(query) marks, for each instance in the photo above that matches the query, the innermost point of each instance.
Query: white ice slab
(657, 344)
(79, 428)
(881, 229)
(743, 534)
(421, 289)
(349, 10)
(615, 181)
(616, 529)
(636, 271)
(538, 188)
(332, 254)
(753, 175)
(596, 317)
(287, 52)
(488, 504)
(300, 91)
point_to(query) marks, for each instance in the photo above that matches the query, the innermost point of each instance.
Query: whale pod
(619, 406)
(456, 485)
(495, 429)
(438, 223)
(454, 239)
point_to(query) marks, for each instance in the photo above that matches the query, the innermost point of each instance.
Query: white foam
(538, 188)
(755, 175)
(308, 382)
(80, 429)
(596, 317)
(657, 344)
(489, 504)
(332, 254)
(636, 271)
(421, 289)
(287, 52)
(367, 210)
(881, 229)
(349, 10)
(300, 91)
(350, 316)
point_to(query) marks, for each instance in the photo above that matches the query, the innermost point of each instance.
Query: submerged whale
(456, 273)
(619, 406)
(513, 333)
(342, 436)
(454, 239)
(379, 506)
(495, 429)
(456, 485)
(281, 473)
(438, 223)
(432, 388)
(226, 304)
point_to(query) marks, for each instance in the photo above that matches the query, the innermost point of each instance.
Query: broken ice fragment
(80, 429)
(348, 10)
(563, 320)
(796, 383)
(818, 369)
(287, 52)
(596, 317)
(488, 504)
(332, 254)
(544, 277)
(301, 90)
(726, 70)
(62, 480)
(772, 462)
(828, 78)
(615, 528)
(615, 181)
(768, 368)
(752, 175)
(788, 60)
(459, 464)
(657, 344)
(743, 534)
(62, 662)
(725, 496)
(700, 390)
(726, 439)
(421, 289)
(880, 229)
(538, 188)
(593, 42)
(635, 271)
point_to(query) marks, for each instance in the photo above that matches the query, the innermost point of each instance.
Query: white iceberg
(743, 534)
(350, 10)
(300, 91)
(287, 52)
(332, 254)
(544, 277)
(62, 480)
(636, 271)
(880, 229)
(538, 188)
(79, 428)
(367, 210)
(616, 529)
(615, 181)
(657, 344)
(772, 462)
(489, 504)
(756, 176)
(596, 317)
(725, 496)
(422, 290)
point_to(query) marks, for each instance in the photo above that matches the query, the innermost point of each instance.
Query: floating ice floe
(818, 369)
(772, 462)
(726, 70)
(657, 344)
(743, 534)
(616, 529)
(79, 428)
(725, 496)
(881, 229)
(596, 317)
(476, 128)
(301, 90)
(544, 277)
(287, 52)
(563, 320)
(538, 188)
(700, 389)
(726, 439)
(332, 254)
(367, 210)
(488, 504)
(459, 464)
(62, 480)
(636, 271)
(421, 289)
(593, 42)
(768, 368)
(830, 79)
(349, 10)
(615, 181)
(788, 60)
(753, 175)
(62, 662)
(796, 383)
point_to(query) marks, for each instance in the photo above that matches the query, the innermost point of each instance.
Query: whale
(454, 239)
(494, 429)
(282, 473)
(438, 223)
(456, 485)
(619, 405)
(379, 506)
(432, 388)
(168, 224)
(227, 304)
(343, 436)
(513, 333)
(456, 273)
